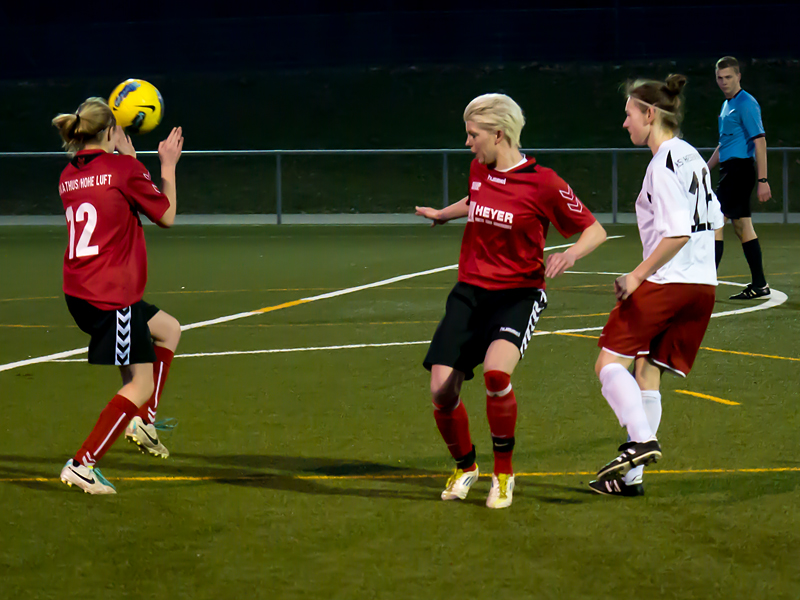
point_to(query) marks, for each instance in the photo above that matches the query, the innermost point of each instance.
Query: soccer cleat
(459, 483)
(616, 487)
(751, 293)
(89, 479)
(145, 436)
(633, 455)
(502, 492)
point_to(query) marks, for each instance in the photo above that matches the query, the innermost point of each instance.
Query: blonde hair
(666, 96)
(85, 124)
(497, 112)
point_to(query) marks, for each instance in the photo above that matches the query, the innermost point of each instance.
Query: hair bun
(675, 83)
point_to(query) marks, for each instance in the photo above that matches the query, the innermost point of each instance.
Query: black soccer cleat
(616, 487)
(751, 293)
(633, 455)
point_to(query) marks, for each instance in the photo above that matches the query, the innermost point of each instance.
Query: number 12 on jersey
(86, 212)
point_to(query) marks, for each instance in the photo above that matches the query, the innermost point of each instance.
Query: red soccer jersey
(509, 213)
(106, 260)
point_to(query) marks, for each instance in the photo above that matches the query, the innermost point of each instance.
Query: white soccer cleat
(502, 492)
(89, 479)
(459, 483)
(146, 437)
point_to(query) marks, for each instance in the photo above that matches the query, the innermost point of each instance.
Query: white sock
(625, 398)
(652, 408)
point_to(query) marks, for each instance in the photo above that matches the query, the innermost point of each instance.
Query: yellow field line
(398, 476)
(750, 354)
(580, 335)
(701, 347)
(268, 290)
(286, 305)
(707, 397)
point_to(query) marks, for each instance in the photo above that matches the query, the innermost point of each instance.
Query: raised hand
(122, 142)
(169, 150)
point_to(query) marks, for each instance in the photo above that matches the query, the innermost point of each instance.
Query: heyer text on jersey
(484, 214)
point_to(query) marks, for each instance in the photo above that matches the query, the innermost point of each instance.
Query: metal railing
(443, 153)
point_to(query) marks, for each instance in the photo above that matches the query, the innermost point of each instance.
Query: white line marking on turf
(778, 297)
(67, 353)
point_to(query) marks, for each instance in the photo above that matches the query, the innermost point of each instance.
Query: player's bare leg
(143, 428)
(80, 470)
(453, 423)
(625, 398)
(501, 410)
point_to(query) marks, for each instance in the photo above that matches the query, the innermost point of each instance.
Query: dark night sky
(301, 34)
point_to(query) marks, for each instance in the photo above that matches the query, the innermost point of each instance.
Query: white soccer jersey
(677, 200)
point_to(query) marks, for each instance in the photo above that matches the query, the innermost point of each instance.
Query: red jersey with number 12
(106, 259)
(509, 214)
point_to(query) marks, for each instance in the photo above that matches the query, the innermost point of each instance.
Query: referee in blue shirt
(741, 140)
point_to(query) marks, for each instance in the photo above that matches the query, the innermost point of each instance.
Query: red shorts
(666, 321)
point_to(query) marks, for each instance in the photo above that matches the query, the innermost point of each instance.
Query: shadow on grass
(305, 474)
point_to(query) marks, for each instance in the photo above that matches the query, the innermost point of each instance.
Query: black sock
(718, 248)
(752, 252)
(465, 462)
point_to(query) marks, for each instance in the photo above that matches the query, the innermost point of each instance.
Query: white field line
(776, 299)
(242, 315)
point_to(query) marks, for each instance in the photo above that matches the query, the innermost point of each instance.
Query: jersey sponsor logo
(71, 185)
(509, 330)
(484, 214)
(146, 175)
(687, 159)
(572, 200)
(499, 180)
(476, 185)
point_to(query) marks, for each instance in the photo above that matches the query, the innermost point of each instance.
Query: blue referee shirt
(739, 125)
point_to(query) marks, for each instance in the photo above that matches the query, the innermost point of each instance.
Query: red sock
(501, 410)
(453, 424)
(109, 426)
(160, 371)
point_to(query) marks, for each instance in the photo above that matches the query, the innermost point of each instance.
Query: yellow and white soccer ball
(137, 105)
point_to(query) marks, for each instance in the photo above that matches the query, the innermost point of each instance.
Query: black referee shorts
(119, 337)
(475, 317)
(737, 179)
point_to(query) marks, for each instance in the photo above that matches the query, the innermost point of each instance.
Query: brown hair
(667, 96)
(728, 62)
(92, 117)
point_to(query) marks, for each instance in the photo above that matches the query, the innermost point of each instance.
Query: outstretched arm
(440, 216)
(590, 239)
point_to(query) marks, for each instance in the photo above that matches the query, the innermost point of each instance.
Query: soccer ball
(137, 105)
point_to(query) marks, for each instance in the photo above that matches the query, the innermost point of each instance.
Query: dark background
(320, 75)
(167, 37)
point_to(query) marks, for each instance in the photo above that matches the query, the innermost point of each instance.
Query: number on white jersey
(695, 189)
(88, 213)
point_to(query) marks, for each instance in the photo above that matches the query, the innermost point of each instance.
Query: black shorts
(737, 179)
(475, 317)
(119, 337)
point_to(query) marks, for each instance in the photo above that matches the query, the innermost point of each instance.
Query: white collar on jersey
(522, 162)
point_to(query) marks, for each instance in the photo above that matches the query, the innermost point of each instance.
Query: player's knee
(175, 331)
(599, 364)
(497, 382)
(444, 397)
